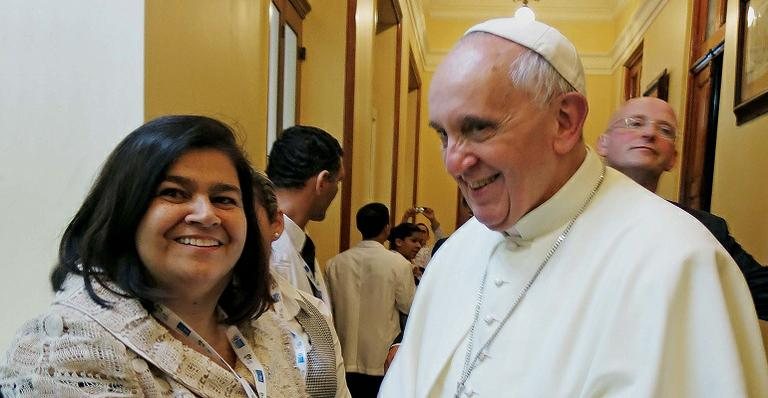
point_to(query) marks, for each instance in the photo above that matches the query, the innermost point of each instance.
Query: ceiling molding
(633, 33)
(595, 63)
(447, 10)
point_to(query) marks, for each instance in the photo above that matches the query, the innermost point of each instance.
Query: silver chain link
(469, 362)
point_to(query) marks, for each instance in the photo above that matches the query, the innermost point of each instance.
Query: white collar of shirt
(287, 307)
(558, 209)
(398, 253)
(296, 235)
(370, 244)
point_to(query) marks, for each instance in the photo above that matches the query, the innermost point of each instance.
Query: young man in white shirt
(305, 166)
(370, 287)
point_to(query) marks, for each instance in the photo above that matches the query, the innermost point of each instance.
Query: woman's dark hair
(100, 241)
(402, 231)
(264, 194)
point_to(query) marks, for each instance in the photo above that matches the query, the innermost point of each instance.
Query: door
(701, 137)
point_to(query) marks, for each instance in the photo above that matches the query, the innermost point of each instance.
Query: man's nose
(458, 157)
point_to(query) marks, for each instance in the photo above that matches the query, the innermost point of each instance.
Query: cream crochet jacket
(77, 348)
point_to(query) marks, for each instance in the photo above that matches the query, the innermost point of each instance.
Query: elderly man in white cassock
(571, 280)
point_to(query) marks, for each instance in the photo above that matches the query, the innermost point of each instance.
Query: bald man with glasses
(640, 142)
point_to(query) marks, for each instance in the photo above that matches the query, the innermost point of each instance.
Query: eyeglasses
(637, 123)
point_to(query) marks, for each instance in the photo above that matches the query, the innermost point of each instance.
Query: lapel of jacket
(133, 326)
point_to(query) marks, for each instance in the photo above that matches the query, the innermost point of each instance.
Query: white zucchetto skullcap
(542, 39)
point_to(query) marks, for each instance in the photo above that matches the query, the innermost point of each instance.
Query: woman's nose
(202, 212)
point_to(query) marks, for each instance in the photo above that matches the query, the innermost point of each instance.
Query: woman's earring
(275, 236)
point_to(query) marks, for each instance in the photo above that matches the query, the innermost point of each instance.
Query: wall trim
(595, 63)
(632, 35)
(508, 8)
(419, 31)
(349, 125)
(302, 7)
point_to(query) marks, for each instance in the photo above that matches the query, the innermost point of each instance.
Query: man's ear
(602, 145)
(571, 115)
(322, 179)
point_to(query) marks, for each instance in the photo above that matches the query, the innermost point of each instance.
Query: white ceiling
(546, 9)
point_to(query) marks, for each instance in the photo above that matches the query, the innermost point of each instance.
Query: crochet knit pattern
(78, 348)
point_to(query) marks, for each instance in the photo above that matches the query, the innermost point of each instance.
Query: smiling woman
(194, 229)
(162, 283)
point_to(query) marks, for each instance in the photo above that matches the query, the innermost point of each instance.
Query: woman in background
(162, 283)
(317, 347)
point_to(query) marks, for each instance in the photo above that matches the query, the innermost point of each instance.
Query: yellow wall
(322, 99)
(437, 189)
(740, 185)
(411, 128)
(665, 46)
(406, 160)
(362, 163)
(601, 98)
(597, 37)
(208, 58)
(196, 63)
(374, 113)
(382, 137)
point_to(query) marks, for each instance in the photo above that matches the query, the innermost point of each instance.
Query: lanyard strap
(301, 353)
(299, 346)
(249, 359)
(236, 340)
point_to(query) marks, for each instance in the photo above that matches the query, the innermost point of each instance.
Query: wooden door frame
(630, 86)
(292, 14)
(396, 120)
(712, 59)
(702, 51)
(349, 125)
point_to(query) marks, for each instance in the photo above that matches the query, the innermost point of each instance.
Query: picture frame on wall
(659, 87)
(751, 91)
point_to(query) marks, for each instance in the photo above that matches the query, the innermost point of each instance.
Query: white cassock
(639, 301)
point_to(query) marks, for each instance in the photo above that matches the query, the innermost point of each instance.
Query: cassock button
(53, 325)
(498, 282)
(512, 245)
